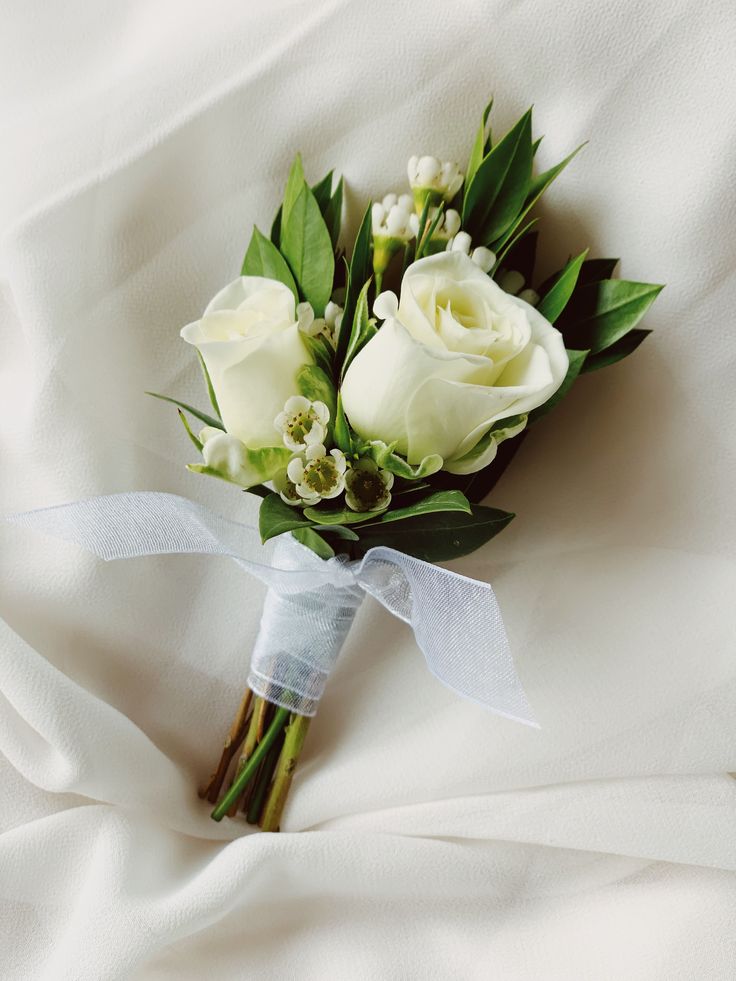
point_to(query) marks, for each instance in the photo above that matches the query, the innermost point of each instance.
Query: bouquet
(372, 404)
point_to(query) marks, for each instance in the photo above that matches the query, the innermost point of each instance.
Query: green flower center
(299, 426)
(368, 488)
(321, 475)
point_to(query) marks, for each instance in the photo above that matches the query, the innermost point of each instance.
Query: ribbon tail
(457, 624)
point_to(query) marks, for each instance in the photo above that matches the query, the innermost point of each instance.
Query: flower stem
(232, 745)
(293, 742)
(248, 771)
(263, 781)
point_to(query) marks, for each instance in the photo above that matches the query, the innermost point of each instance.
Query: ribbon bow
(311, 603)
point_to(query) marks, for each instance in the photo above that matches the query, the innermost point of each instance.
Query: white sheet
(424, 840)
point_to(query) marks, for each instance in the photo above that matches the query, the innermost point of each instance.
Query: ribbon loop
(311, 603)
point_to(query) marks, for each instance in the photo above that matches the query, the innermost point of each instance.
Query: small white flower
(481, 256)
(460, 243)
(289, 494)
(391, 218)
(484, 258)
(306, 320)
(529, 296)
(302, 423)
(366, 487)
(511, 282)
(430, 177)
(320, 475)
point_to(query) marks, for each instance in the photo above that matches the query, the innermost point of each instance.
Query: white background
(430, 839)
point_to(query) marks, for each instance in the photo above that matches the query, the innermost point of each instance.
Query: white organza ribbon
(311, 603)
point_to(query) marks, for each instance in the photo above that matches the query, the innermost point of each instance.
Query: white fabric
(140, 141)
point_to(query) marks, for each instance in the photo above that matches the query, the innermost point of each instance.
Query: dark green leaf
(208, 383)
(320, 350)
(599, 314)
(438, 537)
(208, 420)
(333, 213)
(451, 500)
(338, 516)
(264, 259)
(575, 366)
(537, 188)
(556, 297)
(616, 352)
(276, 517)
(500, 185)
(596, 269)
(362, 329)
(481, 146)
(197, 442)
(295, 184)
(358, 274)
(341, 434)
(322, 192)
(275, 235)
(313, 541)
(478, 485)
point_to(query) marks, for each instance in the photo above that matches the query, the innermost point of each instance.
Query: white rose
(459, 356)
(250, 340)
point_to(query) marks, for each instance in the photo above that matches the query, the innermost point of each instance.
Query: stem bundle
(272, 739)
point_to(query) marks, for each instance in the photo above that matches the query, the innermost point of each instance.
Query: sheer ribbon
(311, 603)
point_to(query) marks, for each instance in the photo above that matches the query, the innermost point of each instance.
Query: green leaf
(320, 350)
(500, 185)
(594, 270)
(341, 434)
(339, 516)
(483, 454)
(208, 383)
(576, 361)
(359, 272)
(537, 188)
(555, 299)
(197, 442)
(264, 259)
(295, 183)
(481, 146)
(451, 500)
(599, 314)
(618, 351)
(307, 246)
(313, 541)
(275, 234)
(333, 213)
(208, 420)
(384, 456)
(276, 517)
(322, 191)
(438, 537)
(315, 384)
(362, 329)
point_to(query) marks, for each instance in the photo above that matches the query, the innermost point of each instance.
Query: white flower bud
(452, 222)
(529, 296)
(406, 201)
(332, 312)
(396, 222)
(462, 243)
(429, 169)
(389, 201)
(378, 216)
(484, 258)
(511, 282)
